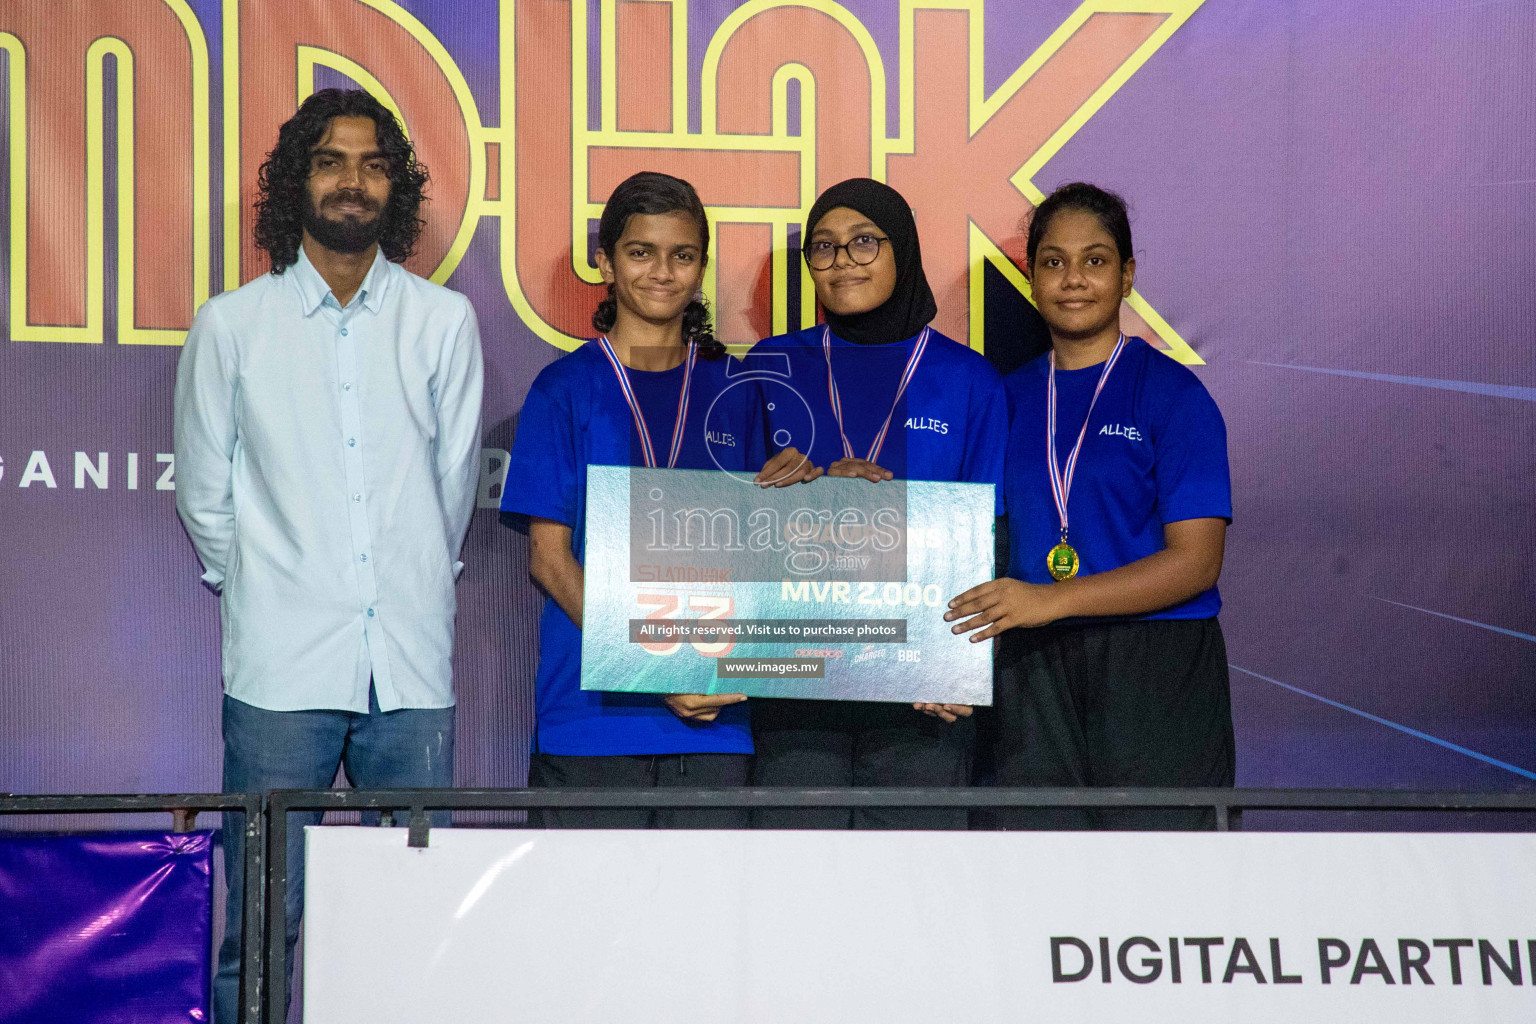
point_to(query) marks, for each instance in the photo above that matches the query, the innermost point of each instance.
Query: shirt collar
(313, 291)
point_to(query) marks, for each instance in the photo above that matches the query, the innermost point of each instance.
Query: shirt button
(370, 613)
(346, 387)
(363, 557)
(357, 497)
(351, 442)
(343, 332)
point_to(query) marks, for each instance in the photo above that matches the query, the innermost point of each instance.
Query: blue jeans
(264, 750)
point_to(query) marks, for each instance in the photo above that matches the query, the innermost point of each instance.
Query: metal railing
(263, 970)
(184, 809)
(417, 803)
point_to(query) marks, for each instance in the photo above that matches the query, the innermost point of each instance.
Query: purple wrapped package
(105, 928)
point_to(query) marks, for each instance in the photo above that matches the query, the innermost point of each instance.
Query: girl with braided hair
(636, 395)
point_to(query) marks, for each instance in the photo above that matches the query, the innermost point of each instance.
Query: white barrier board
(849, 927)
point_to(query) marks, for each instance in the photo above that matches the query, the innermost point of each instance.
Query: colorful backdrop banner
(1332, 204)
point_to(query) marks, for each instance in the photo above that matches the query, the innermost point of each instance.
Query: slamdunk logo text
(789, 97)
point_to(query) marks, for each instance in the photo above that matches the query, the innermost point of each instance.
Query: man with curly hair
(327, 438)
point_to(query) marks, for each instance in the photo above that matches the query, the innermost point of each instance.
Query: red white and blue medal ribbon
(647, 450)
(901, 389)
(1061, 481)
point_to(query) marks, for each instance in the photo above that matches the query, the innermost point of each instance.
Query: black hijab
(911, 306)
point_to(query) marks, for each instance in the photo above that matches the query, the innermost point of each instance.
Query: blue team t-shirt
(574, 416)
(950, 425)
(1155, 453)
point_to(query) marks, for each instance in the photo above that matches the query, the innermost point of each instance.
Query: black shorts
(835, 743)
(556, 771)
(1139, 703)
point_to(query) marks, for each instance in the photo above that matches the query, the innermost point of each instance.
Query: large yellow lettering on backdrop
(793, 95)
(57, 71)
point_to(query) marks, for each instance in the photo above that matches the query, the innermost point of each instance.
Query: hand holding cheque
(698, 707)
(859, 468)
(786, 468)
(1188, 565)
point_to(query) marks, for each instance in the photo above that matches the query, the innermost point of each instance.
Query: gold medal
(1062, 562)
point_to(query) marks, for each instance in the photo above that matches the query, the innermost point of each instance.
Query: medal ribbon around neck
(646, 448)
(901, 389)
(1061, 482)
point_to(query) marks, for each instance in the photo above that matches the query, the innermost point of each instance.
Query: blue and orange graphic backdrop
(1333, 206)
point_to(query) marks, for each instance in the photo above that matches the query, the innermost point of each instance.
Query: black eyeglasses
(863, 250)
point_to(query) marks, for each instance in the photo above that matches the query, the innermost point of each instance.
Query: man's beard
(348, 234)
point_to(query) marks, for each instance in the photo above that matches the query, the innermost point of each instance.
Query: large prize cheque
(700, 582)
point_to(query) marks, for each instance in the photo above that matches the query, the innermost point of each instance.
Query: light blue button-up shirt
(326, 464)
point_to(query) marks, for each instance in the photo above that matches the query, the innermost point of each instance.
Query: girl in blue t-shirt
(889, 399)
(637, 396)
(1110, 665)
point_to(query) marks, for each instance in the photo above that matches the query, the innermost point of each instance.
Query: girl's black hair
(282, 196)
(1108, 207)
(650, 193)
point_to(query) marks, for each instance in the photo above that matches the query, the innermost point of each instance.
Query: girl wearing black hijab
(890, 398)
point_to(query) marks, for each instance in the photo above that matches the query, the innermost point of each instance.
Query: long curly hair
(283, 197)
(651, 193)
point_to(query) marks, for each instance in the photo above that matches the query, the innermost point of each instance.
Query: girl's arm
(1189, 564)
(553, 567)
